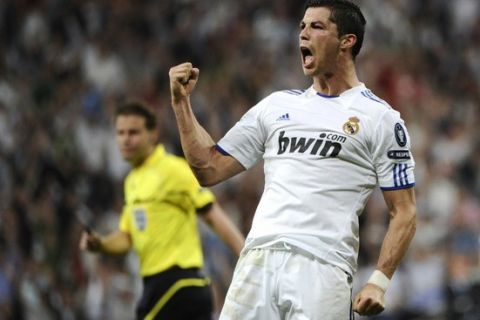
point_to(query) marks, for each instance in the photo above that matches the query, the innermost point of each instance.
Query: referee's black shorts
(176, 294)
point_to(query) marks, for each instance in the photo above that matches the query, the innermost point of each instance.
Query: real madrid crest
(351, 126)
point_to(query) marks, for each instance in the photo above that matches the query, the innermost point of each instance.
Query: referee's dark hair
(347, 16)
(138, 109)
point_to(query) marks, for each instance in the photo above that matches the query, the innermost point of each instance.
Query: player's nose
(303, 35)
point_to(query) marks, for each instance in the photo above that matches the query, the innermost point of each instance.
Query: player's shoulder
(282, 96)
(375, 106)
(277, 99)
(288, 93)
(291, 92)
(371, 100)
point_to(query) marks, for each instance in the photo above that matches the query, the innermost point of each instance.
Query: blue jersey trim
(223, 152)
(400, 176)
(326, 95)
(411, 185)
(294, 92)
(369, 95)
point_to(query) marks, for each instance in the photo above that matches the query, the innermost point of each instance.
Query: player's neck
(333, 83)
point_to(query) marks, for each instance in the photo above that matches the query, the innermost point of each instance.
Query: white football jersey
(323, 156)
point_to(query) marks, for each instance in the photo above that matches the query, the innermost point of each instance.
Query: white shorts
(283, 283)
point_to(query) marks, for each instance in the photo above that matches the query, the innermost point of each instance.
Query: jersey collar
(352, 91)
(156, 155)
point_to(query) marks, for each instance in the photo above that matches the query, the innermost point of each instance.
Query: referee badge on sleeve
(140, 218)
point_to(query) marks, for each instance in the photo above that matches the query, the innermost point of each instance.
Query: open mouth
(307, 56)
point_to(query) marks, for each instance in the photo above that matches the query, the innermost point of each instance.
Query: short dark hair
(138, 109)
(347, 16)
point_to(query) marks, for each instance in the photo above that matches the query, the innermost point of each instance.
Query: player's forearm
(397, 239)
(115, 243)
(197, 144)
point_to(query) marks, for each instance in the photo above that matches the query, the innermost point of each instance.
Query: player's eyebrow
(304, 23)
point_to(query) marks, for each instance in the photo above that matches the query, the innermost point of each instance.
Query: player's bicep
(401, 202)
(223, 166)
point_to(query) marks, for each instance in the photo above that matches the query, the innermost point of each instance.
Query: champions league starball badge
(400, 135)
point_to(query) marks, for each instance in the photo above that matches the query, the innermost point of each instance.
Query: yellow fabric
(172, 290)
(161, 199)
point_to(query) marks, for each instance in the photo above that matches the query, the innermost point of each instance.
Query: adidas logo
(285, 116)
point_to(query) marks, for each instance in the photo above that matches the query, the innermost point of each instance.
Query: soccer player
(162, 200)
(325, 149)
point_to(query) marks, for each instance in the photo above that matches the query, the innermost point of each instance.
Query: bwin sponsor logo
(329, 145)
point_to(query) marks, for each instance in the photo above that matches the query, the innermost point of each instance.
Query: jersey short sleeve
(393, 160)
(124, 223)
(245, 141)
(203, 197)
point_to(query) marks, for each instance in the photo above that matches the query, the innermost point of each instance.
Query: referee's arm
(218, 220)
(117, 242)
(402, 207)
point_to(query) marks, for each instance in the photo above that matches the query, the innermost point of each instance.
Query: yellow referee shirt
(161, 199)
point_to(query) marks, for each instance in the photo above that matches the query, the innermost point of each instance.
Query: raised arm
(402, 207)
(208, 165)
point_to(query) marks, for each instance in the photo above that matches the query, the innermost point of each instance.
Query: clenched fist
(369, 301)
(90, 241)
(183, 79)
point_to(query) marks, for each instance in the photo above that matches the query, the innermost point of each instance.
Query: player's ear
(347, 41)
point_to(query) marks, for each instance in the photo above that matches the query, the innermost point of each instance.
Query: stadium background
(66, 64)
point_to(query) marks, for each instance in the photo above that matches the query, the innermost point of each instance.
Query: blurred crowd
(66, 64)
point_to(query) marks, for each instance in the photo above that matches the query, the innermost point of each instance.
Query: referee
(159, 220)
